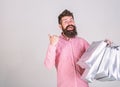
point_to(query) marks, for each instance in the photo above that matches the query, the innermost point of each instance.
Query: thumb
(49, 35)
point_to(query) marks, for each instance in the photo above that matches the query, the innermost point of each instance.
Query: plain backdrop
(24, 29)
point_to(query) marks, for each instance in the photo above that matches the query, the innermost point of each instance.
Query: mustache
(70, 33)
(74, 27)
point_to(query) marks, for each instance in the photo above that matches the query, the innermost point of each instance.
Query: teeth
(70, 28)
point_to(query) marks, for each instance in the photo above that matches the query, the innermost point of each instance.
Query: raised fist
(53, 39)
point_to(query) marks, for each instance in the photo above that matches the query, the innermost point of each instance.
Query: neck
(67, 38)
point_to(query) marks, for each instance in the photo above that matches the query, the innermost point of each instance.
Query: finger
(55, 36)
(108, 41)
(49, 35)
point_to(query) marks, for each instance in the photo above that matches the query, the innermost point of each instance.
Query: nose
(70, 22)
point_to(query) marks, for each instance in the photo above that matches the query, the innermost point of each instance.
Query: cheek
(65, 25)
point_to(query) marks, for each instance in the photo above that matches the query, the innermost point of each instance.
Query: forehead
(66, 18)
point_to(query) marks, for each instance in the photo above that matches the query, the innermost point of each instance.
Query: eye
(71, 21)
(65, 21)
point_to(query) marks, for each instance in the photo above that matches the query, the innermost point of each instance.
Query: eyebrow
(66, 19)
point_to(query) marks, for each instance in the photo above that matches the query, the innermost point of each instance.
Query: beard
(70, 31)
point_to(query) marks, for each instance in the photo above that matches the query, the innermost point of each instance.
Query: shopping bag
(90, 56)
(113, 65)
(103, 66)
(105, 71)
(92, 71)
(112, 71)
(102, 62)
(118, 63)
(97, 49)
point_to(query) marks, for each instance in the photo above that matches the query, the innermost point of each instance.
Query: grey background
(24, 29)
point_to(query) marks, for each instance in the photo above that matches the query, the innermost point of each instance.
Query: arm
(50, 56)
(51, 52)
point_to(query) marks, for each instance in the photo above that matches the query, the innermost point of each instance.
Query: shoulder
(81, 39)
(84, 43)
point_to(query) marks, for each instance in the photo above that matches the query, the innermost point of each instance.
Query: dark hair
(64, 13)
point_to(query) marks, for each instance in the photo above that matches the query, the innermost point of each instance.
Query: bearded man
(64, 51)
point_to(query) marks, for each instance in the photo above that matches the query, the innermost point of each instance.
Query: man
(64, 51)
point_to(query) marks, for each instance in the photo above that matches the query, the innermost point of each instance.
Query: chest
(68, 49)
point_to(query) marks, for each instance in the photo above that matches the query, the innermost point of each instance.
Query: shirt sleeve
(50, 56)
(86, 45)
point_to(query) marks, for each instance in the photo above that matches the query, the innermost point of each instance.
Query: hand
(108, 41)
(53, 39)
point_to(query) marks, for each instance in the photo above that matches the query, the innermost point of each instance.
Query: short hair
(64, 13)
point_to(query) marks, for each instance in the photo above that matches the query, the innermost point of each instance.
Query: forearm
(50, 56)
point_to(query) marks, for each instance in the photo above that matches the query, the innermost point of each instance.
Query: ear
(60, 26)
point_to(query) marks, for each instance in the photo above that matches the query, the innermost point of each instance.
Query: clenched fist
(53, 39)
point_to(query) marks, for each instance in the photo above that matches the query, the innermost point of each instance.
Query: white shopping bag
(113, 67)
(118, 56)
(103, 66)
(101, 62)
(105, 71)
(90, 56)
(90, 76)
(109, 68)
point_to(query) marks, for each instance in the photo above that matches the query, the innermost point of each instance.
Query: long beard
(68, 32)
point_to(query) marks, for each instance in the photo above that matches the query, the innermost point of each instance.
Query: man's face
(68, 26)
(67, 20)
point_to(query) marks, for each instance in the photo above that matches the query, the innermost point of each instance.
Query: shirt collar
(65, 37)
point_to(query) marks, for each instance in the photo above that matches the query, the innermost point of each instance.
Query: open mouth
(70, 27)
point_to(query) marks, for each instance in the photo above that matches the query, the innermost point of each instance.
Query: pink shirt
(64, 56)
